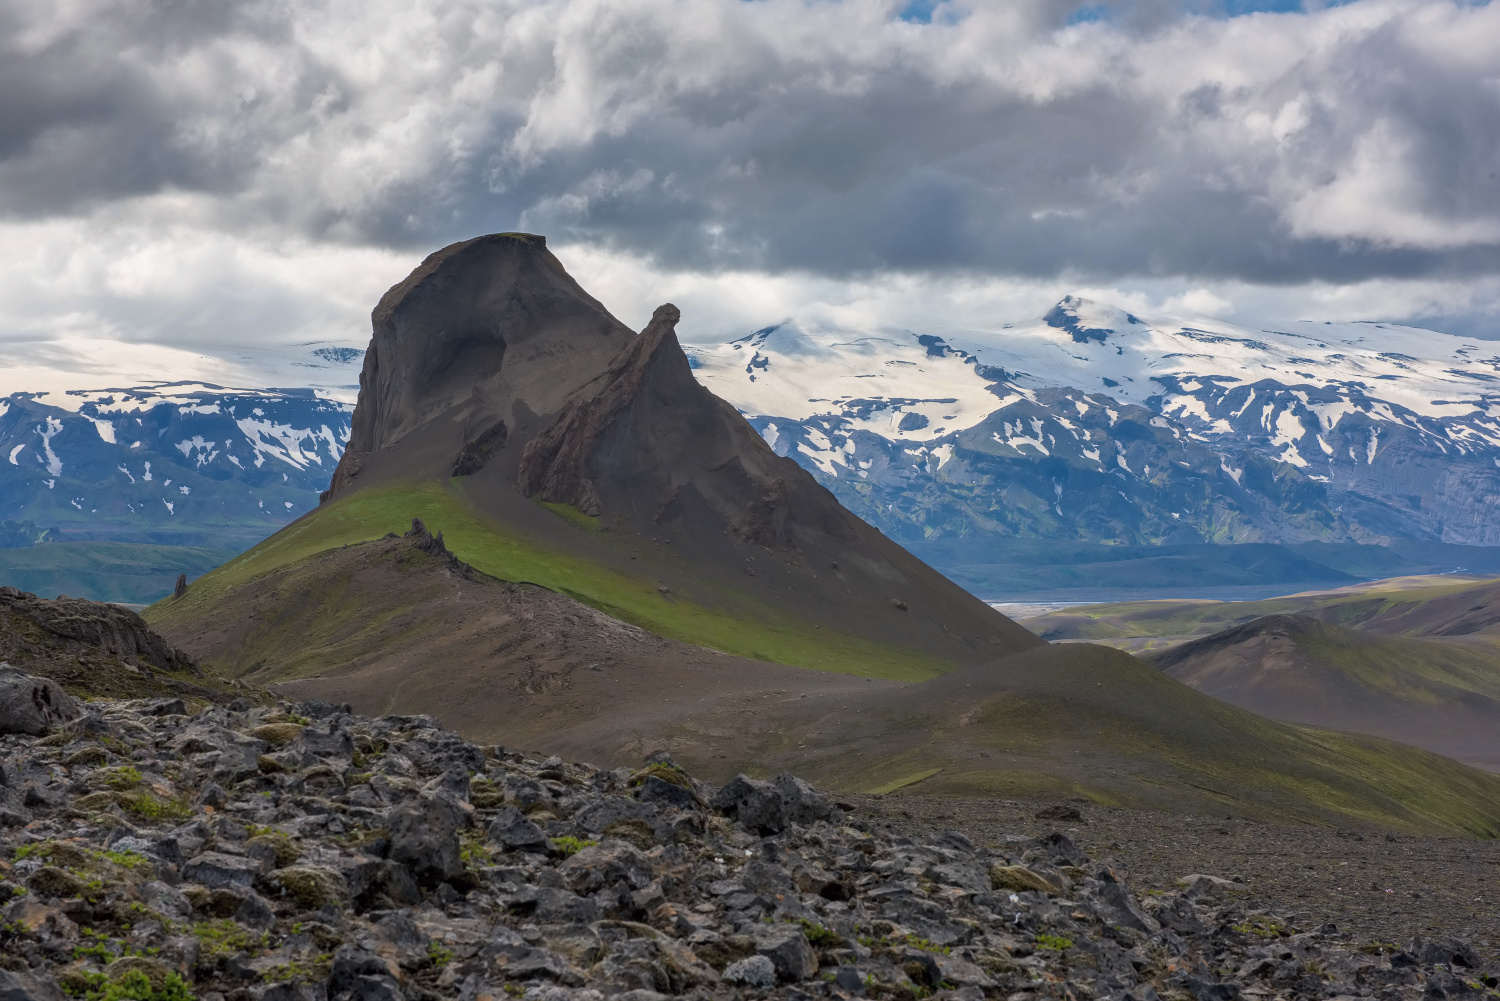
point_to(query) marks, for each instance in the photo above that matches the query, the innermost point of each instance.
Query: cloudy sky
(191, 187)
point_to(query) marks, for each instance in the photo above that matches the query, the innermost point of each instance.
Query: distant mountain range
(1091, 426)
(174, 463)
(1094, 424)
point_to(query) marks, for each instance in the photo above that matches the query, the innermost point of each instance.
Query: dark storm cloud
(830, 138)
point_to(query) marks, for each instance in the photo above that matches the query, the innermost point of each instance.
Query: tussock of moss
(277, 734)
(664, 771)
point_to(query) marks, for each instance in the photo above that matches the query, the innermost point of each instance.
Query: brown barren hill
(1438, 695)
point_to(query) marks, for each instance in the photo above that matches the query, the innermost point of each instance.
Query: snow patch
(54, 464)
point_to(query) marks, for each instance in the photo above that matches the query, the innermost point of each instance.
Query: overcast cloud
(192, 174)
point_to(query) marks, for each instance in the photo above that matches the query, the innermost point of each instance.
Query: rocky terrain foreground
(158, 851)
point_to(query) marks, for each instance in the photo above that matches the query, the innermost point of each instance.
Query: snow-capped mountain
(1093, 423)
(177, 463)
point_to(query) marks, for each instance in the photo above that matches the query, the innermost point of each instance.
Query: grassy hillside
(124, 572)
(1442, 696)
(733, 623)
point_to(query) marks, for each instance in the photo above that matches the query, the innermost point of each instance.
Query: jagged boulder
(768, 807)
(31, 705)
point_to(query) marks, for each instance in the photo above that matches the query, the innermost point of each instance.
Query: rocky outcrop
(645, 439)
(481, 332)
(388, 858)
(94, 647)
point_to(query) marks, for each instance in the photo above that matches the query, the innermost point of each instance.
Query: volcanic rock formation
(479, 330)
(491, 365)
(663, 447)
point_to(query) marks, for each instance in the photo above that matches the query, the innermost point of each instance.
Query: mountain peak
(647, 442)
(1086, 319)
(481, 330)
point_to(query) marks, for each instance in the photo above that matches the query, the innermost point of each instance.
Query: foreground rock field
(159, 851)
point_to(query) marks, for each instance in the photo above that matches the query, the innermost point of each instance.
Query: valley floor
(1376, 888)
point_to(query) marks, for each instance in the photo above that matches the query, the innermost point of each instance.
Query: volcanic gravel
(1374, 885)
(156, 851)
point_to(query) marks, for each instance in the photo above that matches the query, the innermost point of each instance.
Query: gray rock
(768, 807)
(1450, 952)
(326, 741)
(756, 805)
(32, 986)
(598, 815)
(753, 971)
(606, 864)
(166, 900)
(551, 905)
(802, 804)
(786, 947)
(766, 878)
(217, 870)
(289, 991)
(30, 705)
(361, 975)
(513, 830)
(424, 837)
(847, 979)
(1116, 907)
(667, 794)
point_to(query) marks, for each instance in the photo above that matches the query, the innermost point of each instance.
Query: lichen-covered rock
(309, 887)
(753, 971)
(1019, 879)
(50, 881)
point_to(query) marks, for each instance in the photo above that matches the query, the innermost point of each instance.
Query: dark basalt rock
(646, 436)
(481, 331)
(477, 451)
(701, 905)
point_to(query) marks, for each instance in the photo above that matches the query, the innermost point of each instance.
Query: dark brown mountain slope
(1441, 696)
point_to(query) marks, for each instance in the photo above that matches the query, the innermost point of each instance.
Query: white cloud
(251, 175)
